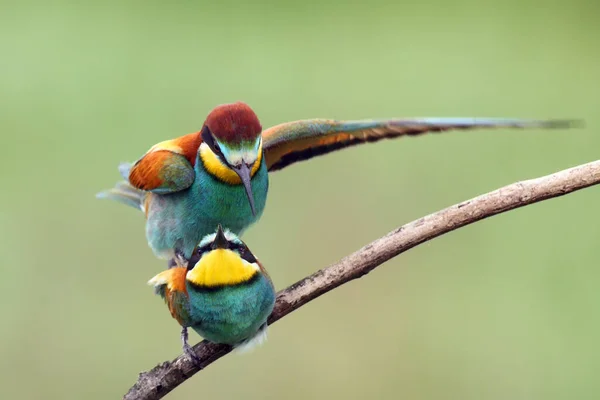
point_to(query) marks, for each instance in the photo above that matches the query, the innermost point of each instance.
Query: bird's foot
(188, 350)
(178, 260)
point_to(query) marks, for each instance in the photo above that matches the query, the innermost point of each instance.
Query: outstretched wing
(170, 285)
(167, 167)
(291, 142)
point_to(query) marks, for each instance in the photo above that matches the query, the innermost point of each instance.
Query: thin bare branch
(167, 376)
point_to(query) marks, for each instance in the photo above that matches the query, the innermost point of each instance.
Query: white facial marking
(230, 236)
(236, 157)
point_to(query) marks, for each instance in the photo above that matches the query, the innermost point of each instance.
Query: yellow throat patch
(221, 268)
(216, 168)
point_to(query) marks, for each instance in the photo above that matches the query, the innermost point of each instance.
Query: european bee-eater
(219, 175)
(222, 292)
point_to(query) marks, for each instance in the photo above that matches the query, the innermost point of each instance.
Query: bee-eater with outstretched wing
(186, 186)
(222, 292)
(189, 185)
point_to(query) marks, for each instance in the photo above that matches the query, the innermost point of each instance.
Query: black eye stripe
(207, 138)
(239, 248)
(245, 253)
(204, 249)
(248, 256)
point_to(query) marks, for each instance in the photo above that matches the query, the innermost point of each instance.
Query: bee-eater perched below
(222, 292)
(219, 175)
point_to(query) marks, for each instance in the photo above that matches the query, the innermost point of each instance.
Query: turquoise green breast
(231, 314)
(180, 220)
(227, 204)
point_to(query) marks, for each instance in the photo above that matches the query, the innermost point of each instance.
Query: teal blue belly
(180, 220)
(231, 314)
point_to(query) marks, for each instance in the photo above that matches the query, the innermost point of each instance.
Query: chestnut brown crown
(233, 123)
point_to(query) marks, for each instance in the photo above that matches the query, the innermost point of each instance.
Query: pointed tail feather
(124, 193)
(124, 169)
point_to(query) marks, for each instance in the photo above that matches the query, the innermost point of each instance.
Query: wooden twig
(165, 377)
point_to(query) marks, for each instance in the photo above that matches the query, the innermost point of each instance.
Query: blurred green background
(504, 309)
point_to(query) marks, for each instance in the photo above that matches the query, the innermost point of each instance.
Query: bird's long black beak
(220, 241)
(244, 173)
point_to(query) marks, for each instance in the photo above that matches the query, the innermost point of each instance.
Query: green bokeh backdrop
(504, 309)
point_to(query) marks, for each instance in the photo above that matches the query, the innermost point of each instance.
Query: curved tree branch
(167, 376)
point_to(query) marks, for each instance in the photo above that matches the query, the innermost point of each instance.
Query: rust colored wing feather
(170, 285)
(291, 142)
(167, 167)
